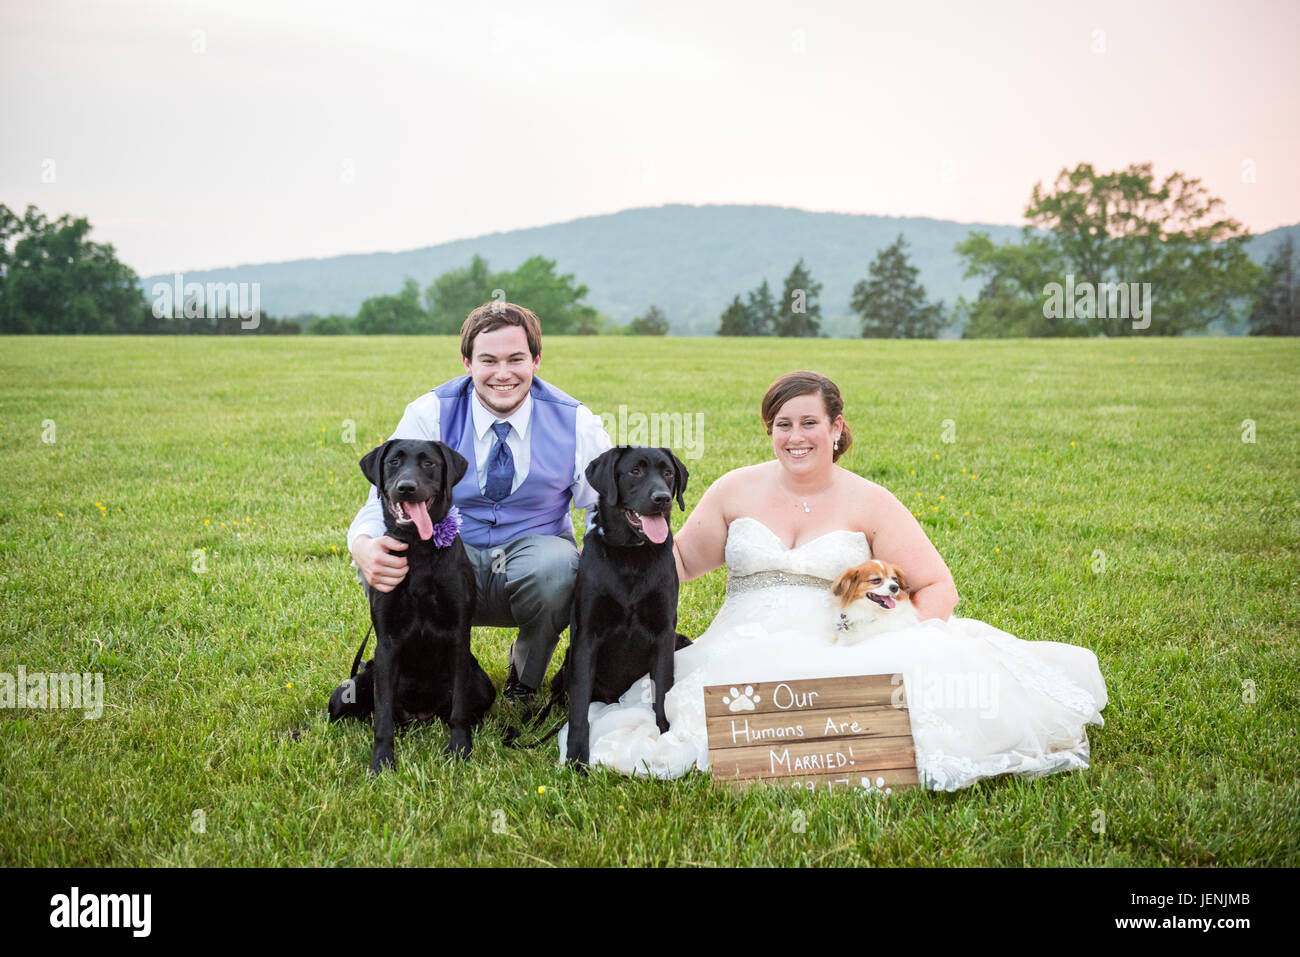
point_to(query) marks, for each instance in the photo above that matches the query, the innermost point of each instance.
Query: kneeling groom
(528, 445)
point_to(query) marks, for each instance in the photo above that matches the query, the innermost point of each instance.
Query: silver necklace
(804, 502)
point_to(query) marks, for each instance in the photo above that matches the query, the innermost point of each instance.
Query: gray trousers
(526, 584)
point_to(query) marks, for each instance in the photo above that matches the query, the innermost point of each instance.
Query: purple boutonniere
(445, 532)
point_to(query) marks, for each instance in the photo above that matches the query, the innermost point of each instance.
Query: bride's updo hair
(805, 383)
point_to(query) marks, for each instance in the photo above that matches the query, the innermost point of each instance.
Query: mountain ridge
(687, 259)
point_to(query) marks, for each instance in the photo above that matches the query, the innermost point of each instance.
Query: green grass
(1133, 447)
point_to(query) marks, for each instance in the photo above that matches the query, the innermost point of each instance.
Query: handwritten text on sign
(847, 731)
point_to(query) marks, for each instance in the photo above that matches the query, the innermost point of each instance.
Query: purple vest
(540, 505)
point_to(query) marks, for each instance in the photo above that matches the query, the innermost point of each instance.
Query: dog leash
(356, 662)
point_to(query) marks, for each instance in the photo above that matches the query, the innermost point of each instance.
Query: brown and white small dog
(871, 598)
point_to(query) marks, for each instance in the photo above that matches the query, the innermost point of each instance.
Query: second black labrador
(624, 618)
(423, 667)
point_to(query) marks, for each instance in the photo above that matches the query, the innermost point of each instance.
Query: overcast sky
(203, 134)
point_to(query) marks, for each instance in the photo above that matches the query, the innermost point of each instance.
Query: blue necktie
(501, 465)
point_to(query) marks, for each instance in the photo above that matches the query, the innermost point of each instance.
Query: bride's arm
(899, 539)
(701, 545)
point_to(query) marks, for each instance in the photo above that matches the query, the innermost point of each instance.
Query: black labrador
(423, 667)
(624, 618)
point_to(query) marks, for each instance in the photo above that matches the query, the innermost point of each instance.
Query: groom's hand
(382, 570)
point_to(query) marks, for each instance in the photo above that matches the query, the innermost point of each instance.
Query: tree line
(442, 306)
(889, 303)
(795, 313)
(1097, 240)
(55, 280)
(1101, 253)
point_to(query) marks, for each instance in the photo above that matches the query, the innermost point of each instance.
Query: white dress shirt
(485, 440)
(421, 420)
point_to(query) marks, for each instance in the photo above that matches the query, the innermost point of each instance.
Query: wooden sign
(846, 732)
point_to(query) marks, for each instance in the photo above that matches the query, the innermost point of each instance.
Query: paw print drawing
(877, 788)
(741, 702)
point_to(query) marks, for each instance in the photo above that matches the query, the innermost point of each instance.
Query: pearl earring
(837, 445)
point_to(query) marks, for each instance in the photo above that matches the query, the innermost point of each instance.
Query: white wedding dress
(1021, 706)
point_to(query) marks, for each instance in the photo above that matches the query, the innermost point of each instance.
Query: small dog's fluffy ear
(372, 465)
(845, 586)
(602, 474)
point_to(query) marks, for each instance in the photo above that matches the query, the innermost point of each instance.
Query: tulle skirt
(982, 702)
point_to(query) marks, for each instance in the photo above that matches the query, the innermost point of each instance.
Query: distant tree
(799, 313)
(334, 325)
(1277, 310)
(456, 293)
(1120, 228)
(891, 303)
(590, 322)
(653, 323)
(762, 311)
(735, 320)
(394, 315)
(1011, 300)
(55, 280)
(267, 325)
(556, 299)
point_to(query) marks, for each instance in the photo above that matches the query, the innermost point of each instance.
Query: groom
(528, 445)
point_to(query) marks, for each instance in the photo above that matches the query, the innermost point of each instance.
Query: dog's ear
(602, 474)
(680, 475)
(372, 465)
(902, 579)
(846, 585)
(455, 466)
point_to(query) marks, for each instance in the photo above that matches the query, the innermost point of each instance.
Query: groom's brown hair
(492, 316)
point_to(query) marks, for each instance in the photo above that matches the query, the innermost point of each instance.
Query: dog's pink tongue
(418, 512)
(654, 526)
(889, 602)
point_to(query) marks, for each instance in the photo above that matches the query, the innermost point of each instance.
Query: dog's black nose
(893, 589)
(405, 487)
(661, 498)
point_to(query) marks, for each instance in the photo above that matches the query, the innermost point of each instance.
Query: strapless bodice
(755, 554)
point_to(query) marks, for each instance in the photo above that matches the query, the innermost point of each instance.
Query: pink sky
(204, 134)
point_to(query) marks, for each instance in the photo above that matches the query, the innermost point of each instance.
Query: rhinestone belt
(743, 583)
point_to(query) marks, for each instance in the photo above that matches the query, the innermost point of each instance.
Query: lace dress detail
(982, 702)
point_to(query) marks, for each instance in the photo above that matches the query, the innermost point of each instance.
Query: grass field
(167, 447)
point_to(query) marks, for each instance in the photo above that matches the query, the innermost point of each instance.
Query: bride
(786, 529)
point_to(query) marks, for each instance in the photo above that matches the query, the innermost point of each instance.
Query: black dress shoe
(516, 690)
